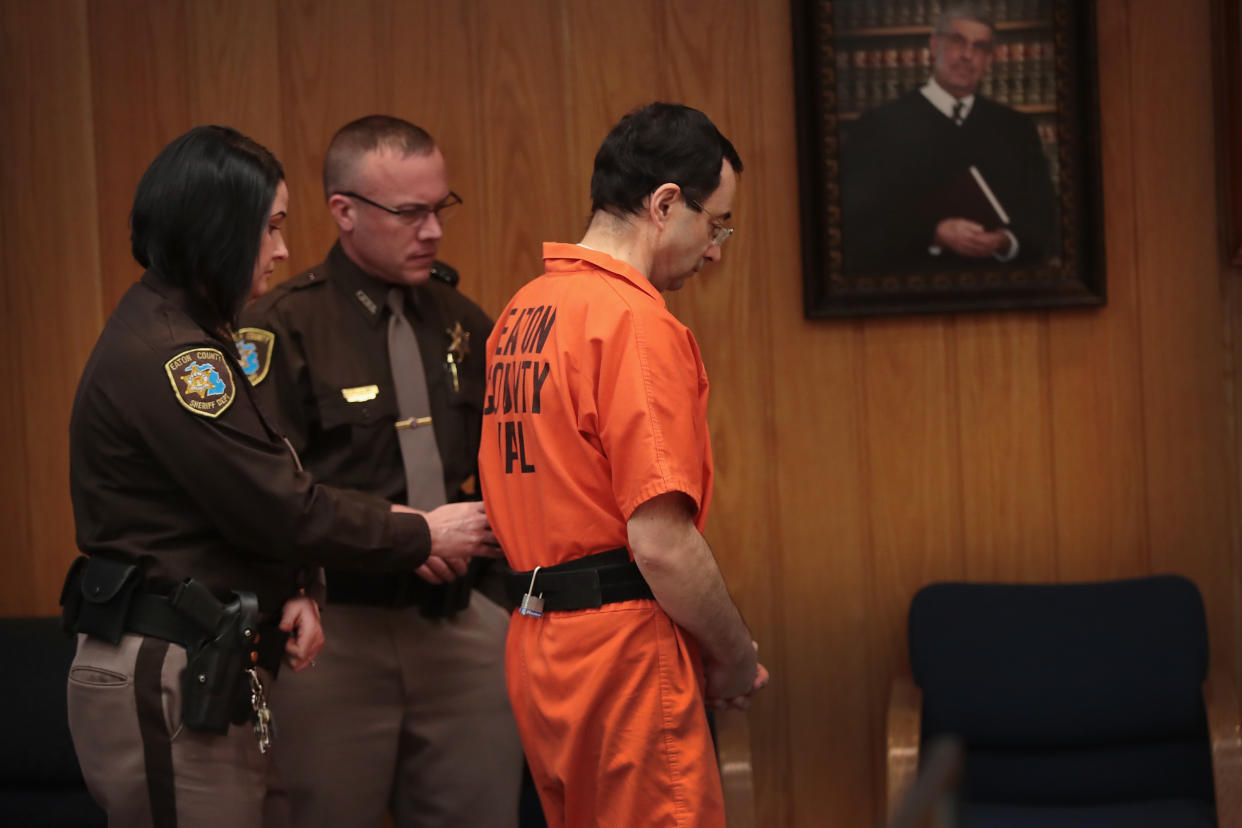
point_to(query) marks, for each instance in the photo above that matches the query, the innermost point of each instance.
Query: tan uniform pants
(140, 764)
(401, 712)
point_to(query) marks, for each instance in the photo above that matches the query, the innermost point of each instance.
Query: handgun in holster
(214, 685)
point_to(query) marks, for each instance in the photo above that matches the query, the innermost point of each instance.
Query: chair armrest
(1220, 697)
(905, 720)
(736, 774)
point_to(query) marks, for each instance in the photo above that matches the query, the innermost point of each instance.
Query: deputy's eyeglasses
(416, 214)
(720, 233)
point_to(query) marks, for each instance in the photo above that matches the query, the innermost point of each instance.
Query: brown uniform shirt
(159, 476)
(331, 337)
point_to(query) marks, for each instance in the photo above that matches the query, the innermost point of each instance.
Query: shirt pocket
(337, 412)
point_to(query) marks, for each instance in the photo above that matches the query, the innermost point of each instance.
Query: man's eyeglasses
(720, 233)
(416, 214)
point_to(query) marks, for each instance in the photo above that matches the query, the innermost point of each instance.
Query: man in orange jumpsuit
(596, 469)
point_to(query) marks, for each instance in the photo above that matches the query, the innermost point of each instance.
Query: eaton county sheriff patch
(254, 352)
(202, 381)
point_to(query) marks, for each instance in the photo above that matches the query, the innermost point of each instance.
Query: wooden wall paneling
(618, 54)
(1231, 292)
(16, 69)
(437, 87)
(1004, 422)
(915, 485)
(50, 290)
(715, 67)
(336, 64)
(816, 760)
(140, 80)
(527, 180)
(1096, 363)
(234, 72)
(1179, 304)
(17, 184)
(1226, 14)
(234, 68)
(829, 623)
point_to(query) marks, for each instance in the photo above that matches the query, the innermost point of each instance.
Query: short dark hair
(368, 134)
(657, 144)
(199, 214)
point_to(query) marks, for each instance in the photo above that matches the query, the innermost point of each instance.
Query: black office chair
(1077, 704)
(40, 781)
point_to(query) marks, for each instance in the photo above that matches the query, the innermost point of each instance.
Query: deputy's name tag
(202, 381)
(363, 393)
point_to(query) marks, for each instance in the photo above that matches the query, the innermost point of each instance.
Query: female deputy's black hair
(199, 214)
(658, 144)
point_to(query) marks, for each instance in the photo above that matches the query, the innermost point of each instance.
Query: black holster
(215, 690)
(104, 598)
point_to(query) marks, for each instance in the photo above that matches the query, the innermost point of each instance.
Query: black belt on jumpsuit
(583, 583)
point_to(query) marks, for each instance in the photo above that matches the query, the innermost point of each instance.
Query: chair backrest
(1067, 693)
(40, 780)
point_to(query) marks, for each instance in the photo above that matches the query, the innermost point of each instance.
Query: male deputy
(597, 469)
(372, 366)
(909, 197)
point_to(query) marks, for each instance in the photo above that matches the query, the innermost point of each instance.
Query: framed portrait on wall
(1227, 57)
(948, 155)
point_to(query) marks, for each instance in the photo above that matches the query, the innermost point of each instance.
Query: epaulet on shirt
(310, 278)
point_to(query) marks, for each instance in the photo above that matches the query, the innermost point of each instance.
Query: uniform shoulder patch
(202, 381)
(254, 352)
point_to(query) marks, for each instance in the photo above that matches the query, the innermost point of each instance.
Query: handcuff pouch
(97, 596)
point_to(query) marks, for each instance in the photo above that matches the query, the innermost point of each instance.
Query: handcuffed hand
(439, 570)
(720, 684)
(300, 618)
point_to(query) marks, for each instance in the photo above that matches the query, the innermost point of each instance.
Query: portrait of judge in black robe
(943, 178)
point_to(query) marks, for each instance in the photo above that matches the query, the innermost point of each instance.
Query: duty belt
(400, 589)
(225, 643)
(145, 612)
(151, 614)
(583, 583)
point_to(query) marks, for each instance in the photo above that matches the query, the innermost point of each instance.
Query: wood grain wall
(857, 460)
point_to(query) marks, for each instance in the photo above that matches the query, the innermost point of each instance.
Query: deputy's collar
(363, 291)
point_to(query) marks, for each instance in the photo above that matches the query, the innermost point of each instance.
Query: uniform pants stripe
(156, 740)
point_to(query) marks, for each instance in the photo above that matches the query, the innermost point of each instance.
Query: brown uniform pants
(402, 712)
(140, 764)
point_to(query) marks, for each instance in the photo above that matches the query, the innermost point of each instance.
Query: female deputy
(201, 533)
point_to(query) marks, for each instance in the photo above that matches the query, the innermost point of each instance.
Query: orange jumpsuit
(596, 402)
